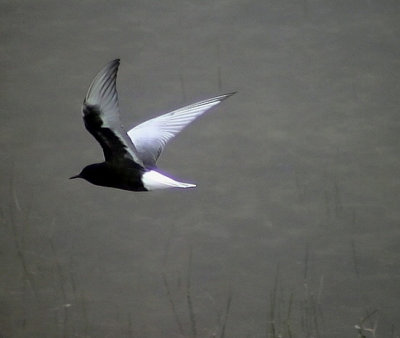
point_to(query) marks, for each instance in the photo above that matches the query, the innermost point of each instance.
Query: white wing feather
(150, 137)
(101, 115)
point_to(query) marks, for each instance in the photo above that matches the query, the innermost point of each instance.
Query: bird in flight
(130, 157)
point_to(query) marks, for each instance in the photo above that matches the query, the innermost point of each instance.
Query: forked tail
(153, 180)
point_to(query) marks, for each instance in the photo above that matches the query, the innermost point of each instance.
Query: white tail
(153, 180)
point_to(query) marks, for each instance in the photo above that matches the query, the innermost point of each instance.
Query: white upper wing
(150, 137)
(101, 116)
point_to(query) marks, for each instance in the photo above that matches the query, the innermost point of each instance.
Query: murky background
(293, 230)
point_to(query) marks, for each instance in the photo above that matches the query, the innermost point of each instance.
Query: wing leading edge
(101, 116)
(150, 137)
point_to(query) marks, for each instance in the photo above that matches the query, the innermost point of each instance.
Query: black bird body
(114, 175)
(130, 158)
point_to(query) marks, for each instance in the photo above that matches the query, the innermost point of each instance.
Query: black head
(94, 173)
(85, 173)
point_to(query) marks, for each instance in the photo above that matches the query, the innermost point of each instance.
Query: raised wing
(150, 137)
(101, 116)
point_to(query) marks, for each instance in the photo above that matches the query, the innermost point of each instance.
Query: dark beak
(76, 176)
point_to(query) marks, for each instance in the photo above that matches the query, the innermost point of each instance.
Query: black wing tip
(112, 66)
(225, 96)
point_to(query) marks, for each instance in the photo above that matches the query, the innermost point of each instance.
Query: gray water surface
(293, 230)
